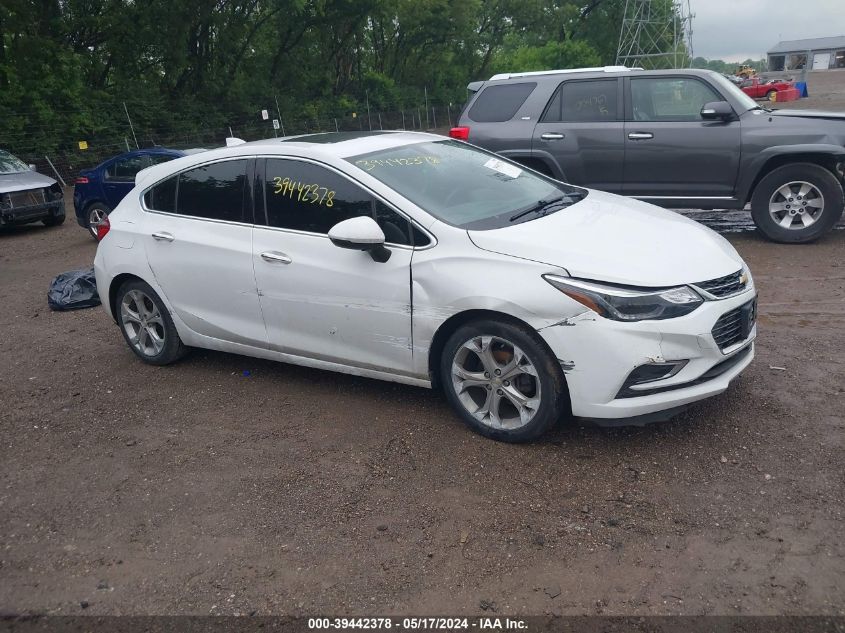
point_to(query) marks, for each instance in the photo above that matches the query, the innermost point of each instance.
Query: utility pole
(425, 89)
(279, 112)
(369, 120)
(131, 127)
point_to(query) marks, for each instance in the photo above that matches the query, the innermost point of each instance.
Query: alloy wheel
(95, 217)
(496, 382)
(796, 205)
(143, 323)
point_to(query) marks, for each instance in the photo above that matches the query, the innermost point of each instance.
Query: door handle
(552, 136)
(640, 136)
(275, 257)
(163, 236)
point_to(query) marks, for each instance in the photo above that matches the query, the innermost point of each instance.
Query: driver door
(670, 151)
(321, 301)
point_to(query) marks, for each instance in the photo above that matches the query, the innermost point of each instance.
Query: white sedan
(428, 261)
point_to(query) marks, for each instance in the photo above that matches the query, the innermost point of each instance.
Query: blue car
(98, 190)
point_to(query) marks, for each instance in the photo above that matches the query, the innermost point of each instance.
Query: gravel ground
(195, 489)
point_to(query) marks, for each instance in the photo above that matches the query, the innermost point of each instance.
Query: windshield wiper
(540, 205)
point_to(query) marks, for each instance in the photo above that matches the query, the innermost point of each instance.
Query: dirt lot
(198, 489)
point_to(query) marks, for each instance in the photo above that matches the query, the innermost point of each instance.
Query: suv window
(125, 169)
(669, 99)
(499, 103)
(215, 191)
(584, 101)
(306, 197)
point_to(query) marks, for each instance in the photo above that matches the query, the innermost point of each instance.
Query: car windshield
(465, 186)
(728, 86)
(11, 164)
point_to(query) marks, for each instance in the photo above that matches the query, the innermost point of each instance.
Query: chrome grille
(26, 198)
(724, 286)
(735, 326)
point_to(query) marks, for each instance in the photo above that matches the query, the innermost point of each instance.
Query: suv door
(321, 301)
(670, 151)
(582, 130)
(198, 237)
(119, 177)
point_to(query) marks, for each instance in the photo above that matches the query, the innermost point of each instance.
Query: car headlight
(623, 303)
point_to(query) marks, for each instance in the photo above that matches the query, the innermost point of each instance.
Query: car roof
(581, 73)
(327, 146)
(342, 144)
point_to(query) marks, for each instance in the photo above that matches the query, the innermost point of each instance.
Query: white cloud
(735, 30)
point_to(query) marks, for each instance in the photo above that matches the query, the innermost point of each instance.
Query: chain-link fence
(66, 162)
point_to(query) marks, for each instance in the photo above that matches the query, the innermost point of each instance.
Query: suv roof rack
(598, 69)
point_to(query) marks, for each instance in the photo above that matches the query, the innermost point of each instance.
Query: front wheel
(771, 95)
(146, 324)
(503, 381)
(797, 203)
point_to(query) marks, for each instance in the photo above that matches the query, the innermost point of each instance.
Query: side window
(306, 197)
(214, 191)
(162, 197)
(670, 99)
(584, 102)
(500, 103)
(157, 159)
(125, 169)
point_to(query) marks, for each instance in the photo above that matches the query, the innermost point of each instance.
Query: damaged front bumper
(601, 359)
(32, 209)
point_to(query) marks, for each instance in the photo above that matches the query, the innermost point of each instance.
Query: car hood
(609, 238)
(809, 114)
(24, 180)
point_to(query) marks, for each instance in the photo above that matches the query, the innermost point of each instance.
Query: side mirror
(31, 167)
(360, 234)
(717, 110)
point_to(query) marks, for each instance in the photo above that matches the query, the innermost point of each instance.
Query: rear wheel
(771, 95)
(502, 380)
(797, 203)
(95, 214)
(146, 324)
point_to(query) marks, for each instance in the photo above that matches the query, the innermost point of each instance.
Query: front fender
(752, 172)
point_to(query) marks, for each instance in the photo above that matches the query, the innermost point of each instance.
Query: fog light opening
(641, 379)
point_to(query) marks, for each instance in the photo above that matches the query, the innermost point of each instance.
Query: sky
(735, 30)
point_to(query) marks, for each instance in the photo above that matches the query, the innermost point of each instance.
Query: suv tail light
(81, 180)
(460, 133)
(103, 228)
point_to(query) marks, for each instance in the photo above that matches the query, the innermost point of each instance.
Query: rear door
(582, 129)
(198, 238)
(119, 177)
(670, 151)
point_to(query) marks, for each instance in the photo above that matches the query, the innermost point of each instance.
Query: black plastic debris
(73, 290)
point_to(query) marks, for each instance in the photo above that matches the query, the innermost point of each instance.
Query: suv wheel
(503, 382)
(797, 203)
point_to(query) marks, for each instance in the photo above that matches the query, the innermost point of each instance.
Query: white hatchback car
(428, 261)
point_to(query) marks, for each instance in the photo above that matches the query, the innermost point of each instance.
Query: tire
(93, 214)
(54, 220)
(771, 95)
(490, 346)
(821, 188)
(146, 324)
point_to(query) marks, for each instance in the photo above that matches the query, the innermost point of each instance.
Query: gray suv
(677, 138)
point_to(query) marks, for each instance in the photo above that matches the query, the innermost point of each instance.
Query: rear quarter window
(500, 103)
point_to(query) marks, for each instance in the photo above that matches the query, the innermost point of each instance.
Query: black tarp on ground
(73, 290)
